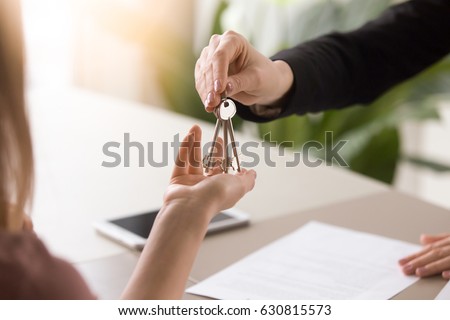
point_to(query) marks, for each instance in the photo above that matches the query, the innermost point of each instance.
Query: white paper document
(445, 293)
(318, 261)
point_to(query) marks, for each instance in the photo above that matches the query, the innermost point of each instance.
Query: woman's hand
(190, 202)
(433, 259)
(230, 63)
(211, 193)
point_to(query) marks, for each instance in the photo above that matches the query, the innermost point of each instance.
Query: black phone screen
(141, 224)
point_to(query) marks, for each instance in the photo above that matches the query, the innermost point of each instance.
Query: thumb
(241, 82)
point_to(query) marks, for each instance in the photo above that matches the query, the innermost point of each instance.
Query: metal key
(224, 112)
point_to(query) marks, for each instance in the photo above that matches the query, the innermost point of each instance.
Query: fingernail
(421, 271)
(402, 261)
(446, 274)
(208, 99)
(230, 88)
(217, 86)
(408, 269)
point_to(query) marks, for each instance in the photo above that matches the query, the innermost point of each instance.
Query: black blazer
(341, 69)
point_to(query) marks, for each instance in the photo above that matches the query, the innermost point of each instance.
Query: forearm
(167, 258)
(190, 202)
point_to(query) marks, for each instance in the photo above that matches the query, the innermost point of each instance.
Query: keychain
(224, 113)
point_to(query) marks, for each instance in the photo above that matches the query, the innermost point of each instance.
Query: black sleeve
(341, 69)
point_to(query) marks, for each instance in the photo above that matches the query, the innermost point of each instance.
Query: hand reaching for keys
(189, 172)
(190, 202)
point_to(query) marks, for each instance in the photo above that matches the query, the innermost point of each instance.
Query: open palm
(189, 184)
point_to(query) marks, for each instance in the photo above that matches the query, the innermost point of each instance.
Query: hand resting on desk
(433, 259)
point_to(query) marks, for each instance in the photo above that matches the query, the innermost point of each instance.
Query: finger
(248, 178)
(413, 256)
(434, 267)
(245, 81)
(218, 151)
(195, 152)
(243, 182)
(446, 274)
(201, 68)
(226, 189)
(427, 238)
(217, 157)
(212, 99)
(433, 255)
(440, 243)
(229, 49)
(198, 70)
(181, 162)
(434, 245)
(245, 98)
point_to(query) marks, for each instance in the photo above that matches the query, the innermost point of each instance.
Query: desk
(389, 214)
(70, 127)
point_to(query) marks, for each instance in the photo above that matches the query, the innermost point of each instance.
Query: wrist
(284, 78)
(272, 106)
(189, 212)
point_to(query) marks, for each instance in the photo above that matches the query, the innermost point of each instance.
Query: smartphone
(133, 231)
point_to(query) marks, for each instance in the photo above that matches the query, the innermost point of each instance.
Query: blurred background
(145, 50)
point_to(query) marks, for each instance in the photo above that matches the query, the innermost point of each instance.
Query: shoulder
(29, 271)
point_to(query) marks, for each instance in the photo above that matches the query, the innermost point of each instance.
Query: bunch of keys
(224, 112)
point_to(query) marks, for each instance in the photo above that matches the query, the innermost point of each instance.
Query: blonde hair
(16, 156)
